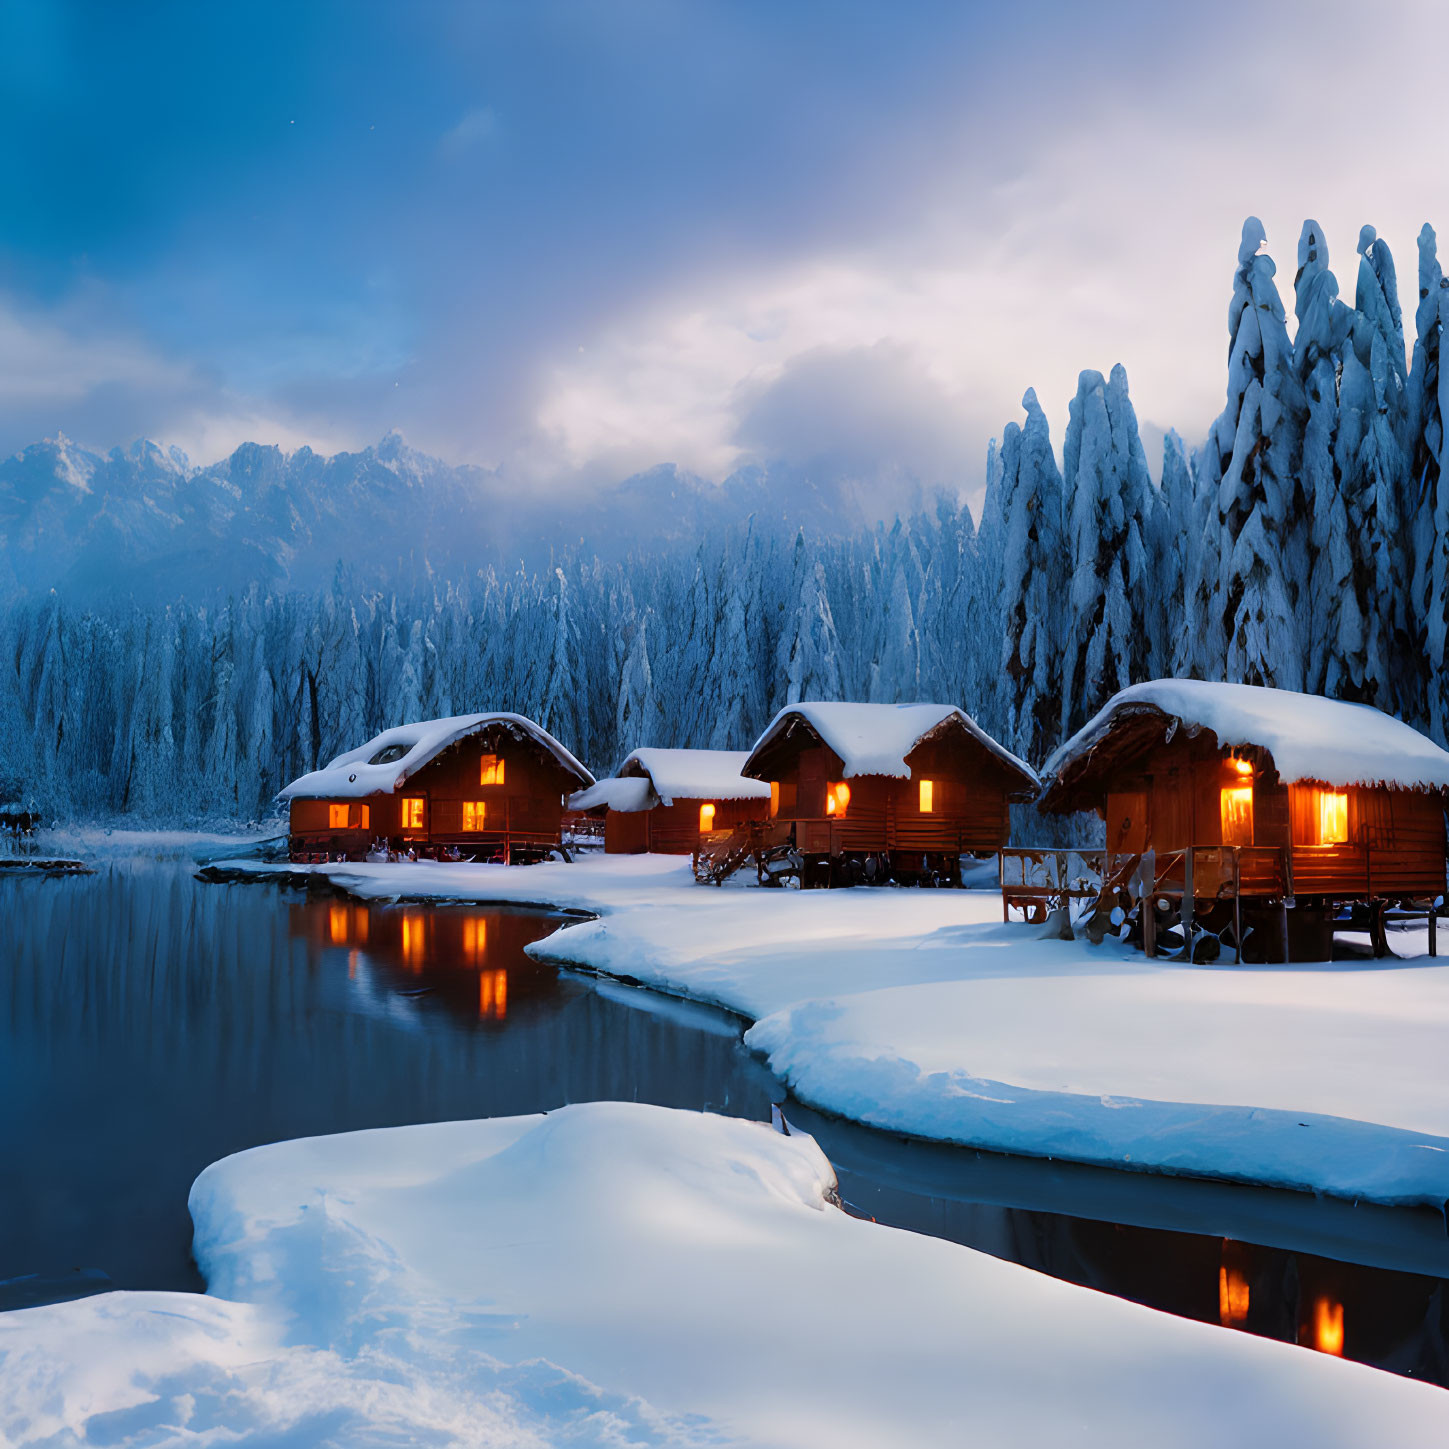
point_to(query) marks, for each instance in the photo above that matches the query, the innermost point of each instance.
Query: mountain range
(144, 523)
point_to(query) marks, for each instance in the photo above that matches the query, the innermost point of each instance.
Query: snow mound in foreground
(616, 1274)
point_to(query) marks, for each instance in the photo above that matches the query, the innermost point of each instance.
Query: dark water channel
(150, 1024)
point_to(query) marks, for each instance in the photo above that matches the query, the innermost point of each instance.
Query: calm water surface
(150, 1024)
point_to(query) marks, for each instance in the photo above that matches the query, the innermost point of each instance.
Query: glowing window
(1332, 817)
(928, 796)
(1328, 1326)
(491, 770)
(1237, 813)
(348, 817)
(412, 812)
(706, 817)
(837, 797)
(474, 812)
(337, 817)
(1233, 1297)
(774, 798)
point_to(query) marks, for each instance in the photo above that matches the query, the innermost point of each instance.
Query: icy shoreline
(920, 1012)
(617, 1274)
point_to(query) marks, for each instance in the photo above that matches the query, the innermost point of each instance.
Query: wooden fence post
(1185, 914)
(1237, 905)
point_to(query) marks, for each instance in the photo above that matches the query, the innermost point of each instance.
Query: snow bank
(351, 776)
(874, 739)
(1326, 1081)
(698, 774)
(1309, 737)
(616, 1274)
(922, 1012)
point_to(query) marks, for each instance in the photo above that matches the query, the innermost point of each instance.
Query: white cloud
(59, 371)
(1115, 242)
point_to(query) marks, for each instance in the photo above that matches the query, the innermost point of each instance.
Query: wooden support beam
(1184, 915)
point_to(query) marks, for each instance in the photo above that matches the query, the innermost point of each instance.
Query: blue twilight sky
(576, 239)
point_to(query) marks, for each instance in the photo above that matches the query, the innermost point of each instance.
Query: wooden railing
(1038, 882)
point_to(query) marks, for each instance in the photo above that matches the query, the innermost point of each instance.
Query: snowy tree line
(1305, 545)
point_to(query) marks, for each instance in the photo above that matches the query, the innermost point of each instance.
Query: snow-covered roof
(874, 739)
(1309, 737)
(351, 776)
(628, 796)
(651, 777)
(696, 774)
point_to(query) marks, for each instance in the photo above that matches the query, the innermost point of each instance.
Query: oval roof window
(388, 753)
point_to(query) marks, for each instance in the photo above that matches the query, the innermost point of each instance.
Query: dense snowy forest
(1305, 545)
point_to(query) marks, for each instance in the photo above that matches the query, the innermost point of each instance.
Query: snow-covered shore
(921, 1012)
(617, 1274)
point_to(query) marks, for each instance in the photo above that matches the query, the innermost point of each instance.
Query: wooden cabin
(477, 787)
(882, 791)
(1239, 798)
(669, 801)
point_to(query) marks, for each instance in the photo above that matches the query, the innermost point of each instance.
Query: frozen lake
(150, 1025)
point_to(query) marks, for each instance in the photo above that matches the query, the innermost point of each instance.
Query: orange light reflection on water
(493, 995)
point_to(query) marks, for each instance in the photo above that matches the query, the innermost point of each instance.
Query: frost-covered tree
(1171, 548)
(1329, 609)
(1428, 407)
(808, 658)
(1254, 456)
(637, 714)
(1108, 515)
(1373, 466)
(1032, 566)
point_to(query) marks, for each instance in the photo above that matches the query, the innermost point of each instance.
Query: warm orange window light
(344, 817)
(1332, 817)
(1237, 811)
(337, 817)
(706, 817)
(412, 812)
(774, 798)
(1328, 1326)
(1233, 1296)
(474, 812)
(337, 925)
(837, 797)
(491, 772)
(928, 796)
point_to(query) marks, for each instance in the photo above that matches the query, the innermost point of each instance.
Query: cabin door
(1127, 822)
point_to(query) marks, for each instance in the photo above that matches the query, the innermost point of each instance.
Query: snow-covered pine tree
(1173, 545)
(1373, 466)
(1032, 564)
(637, 718)
(1108, 514)
(1330, 619)
(982, 608)
(808, 661)
(1429, 405)
(1255, 451)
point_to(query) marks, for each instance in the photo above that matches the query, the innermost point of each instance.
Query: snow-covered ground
(922, 1012)
(616, 1274)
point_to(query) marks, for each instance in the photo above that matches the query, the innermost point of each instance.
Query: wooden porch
(1207, 887)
